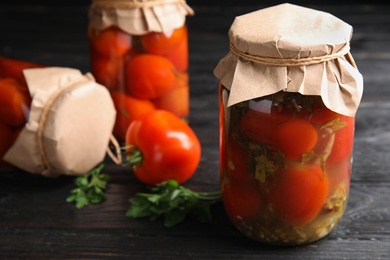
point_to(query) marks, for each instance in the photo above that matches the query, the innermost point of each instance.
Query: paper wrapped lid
(139, 17)
(70, 123)
(295, 49)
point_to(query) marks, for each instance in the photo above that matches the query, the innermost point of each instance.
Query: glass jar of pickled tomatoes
(287, 124)
(139, 51)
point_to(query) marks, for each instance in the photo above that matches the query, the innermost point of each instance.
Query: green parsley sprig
(91, 188)
(173, 203)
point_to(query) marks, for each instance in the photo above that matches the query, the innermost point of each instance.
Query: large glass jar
(289, 90)
(141, 58)
(285, 166)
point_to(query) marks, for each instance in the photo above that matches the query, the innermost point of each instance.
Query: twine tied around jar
(271, 61)
(43, 119)
(133, 3)
(118, 158)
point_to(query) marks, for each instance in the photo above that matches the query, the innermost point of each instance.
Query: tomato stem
(133, 155)
(209, 196)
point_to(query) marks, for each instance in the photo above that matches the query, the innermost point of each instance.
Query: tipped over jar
(288, 96)
(139, 51)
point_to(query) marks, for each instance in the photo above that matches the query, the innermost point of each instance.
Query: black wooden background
(37, 223)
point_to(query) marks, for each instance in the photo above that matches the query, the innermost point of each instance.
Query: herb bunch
(91, 188)
(173, 203)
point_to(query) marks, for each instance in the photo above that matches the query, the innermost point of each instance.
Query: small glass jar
(287, 119)
(286, 161)
(144, 66)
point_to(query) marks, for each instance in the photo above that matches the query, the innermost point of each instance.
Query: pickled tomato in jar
(15, 100)
(144, 68)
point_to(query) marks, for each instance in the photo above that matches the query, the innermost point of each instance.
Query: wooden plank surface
(37, 223)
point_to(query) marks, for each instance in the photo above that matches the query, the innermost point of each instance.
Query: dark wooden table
(37, 223)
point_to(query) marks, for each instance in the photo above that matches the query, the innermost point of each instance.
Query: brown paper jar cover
(69, 126)
(294, 49)
(145, 15)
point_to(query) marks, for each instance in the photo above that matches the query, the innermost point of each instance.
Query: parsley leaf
(172, 202)
(91, 188)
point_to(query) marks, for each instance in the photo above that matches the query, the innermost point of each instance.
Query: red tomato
(177, 99)
(237, 165)
(343, 143)
(295, 137)
(127, 110)
(169, 147)
(222, 136)
(339, 174)
(108, 71)
(149, 76)
(14, 103)
(13, 68)
(179, 56)
(242, 202)
(258, 126)
(162, 43)
(320, 114)
(299, 194)
(291, 135)
(7, 138)
(110, 42)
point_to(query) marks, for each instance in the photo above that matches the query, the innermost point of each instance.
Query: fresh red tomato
(108, 71)
(299, 194)
(127, 110)
(149, 76)
(168, 147)
(177, 99)
(14, 102)
(110, 42)
(163, 43)
(295, 137)
(13, 68)
(242, 201)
